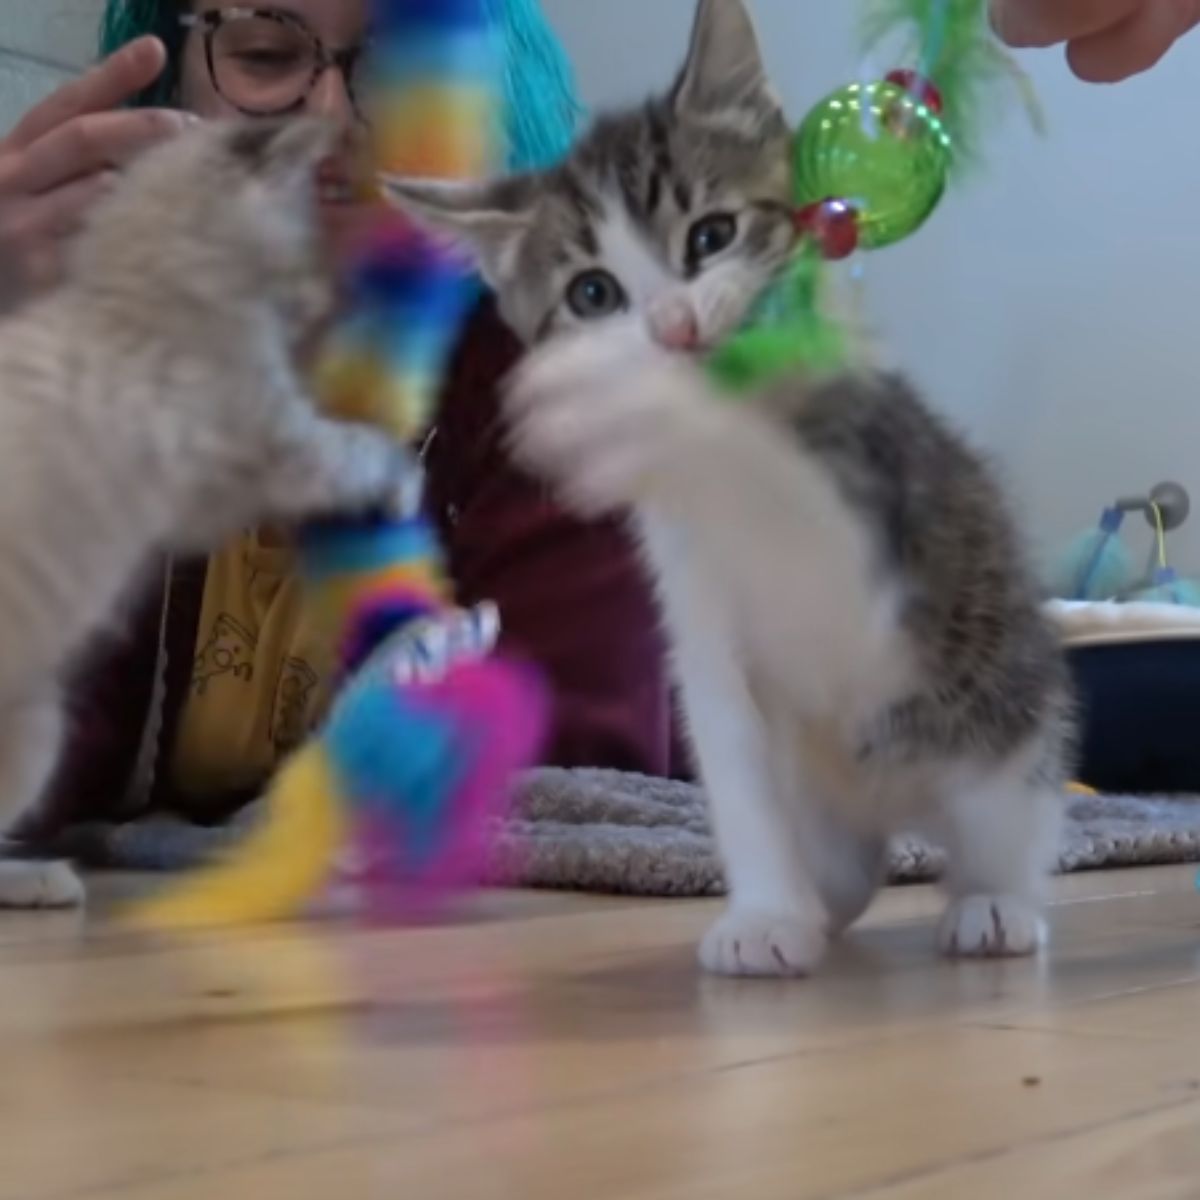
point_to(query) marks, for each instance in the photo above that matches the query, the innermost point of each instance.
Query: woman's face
(253, 59)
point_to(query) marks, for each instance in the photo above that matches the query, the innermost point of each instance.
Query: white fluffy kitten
(150, 403)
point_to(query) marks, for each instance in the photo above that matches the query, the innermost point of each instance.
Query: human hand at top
(61, 156)
(1107, 40)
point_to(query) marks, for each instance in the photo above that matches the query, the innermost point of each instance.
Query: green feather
(954, 48)
(788, 331)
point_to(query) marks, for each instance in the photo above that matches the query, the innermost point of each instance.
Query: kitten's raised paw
(31, 884)
(763, 944)
(609, 418)
(991, 927)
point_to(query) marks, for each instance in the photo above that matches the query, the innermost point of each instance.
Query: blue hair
(542, 109)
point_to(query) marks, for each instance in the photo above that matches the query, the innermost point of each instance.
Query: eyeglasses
(266, 62)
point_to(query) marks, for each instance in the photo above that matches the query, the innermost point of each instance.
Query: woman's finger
(60, 213)
(1136, 44)
(32, 230)
(85, 145)
(108, 85)
(1028, 23)
(33, 235)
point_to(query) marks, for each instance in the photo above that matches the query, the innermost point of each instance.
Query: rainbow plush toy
(428, 730)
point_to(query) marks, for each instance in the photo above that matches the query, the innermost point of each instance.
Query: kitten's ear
(283, 150)
(489, 219)
(724, 66)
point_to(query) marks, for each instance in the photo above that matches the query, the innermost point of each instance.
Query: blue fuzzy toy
(1096, 566)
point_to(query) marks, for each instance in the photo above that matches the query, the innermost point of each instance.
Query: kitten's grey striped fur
(151, 403)
(857, 634)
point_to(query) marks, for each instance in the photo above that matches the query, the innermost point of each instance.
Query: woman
(217, 676)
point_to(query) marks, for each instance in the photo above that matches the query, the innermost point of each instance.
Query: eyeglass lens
(262, 64)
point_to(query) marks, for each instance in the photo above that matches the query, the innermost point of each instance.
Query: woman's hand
(1107, 40)
(61, 156)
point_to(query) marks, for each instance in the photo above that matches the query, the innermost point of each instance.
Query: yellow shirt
(260, 677)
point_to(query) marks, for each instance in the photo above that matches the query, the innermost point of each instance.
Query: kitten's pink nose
(678, 330)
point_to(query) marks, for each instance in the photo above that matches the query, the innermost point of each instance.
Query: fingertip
(1011, 24)
(1133, 46)
(1089, 66)
(173, 120)
(149, 45)
(1002, 23)
(1117, 55)
(145, 58)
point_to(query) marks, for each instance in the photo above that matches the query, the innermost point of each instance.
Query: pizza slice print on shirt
(291, 722)
(229, 650)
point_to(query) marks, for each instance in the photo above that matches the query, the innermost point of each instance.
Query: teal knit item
(542, 108)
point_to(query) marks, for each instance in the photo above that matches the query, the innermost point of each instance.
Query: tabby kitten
(151, 402)
(856, 633)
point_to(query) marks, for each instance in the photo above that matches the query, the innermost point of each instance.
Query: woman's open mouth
(345, 214)
(333, 184)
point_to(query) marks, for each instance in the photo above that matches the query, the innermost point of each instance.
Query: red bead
(833, 224)
(920, 88)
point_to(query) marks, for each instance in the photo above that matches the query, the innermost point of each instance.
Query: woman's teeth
(333, 192)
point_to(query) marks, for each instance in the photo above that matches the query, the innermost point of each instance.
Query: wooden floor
(556, 1049)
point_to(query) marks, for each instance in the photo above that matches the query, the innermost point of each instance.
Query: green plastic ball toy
(879, 149)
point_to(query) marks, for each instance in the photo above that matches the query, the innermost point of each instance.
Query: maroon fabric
(106, 702)
(573, 599)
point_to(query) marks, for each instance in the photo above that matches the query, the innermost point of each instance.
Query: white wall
(41, 43)
(1051, 305)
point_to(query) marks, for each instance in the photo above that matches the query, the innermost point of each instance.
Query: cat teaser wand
(870, 165)
(428, 729)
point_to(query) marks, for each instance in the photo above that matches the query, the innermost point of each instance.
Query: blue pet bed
(1137, 671)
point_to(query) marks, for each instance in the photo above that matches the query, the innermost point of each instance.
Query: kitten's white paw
(30, 884)
(604, 416)
(991, 927)
(766, 944)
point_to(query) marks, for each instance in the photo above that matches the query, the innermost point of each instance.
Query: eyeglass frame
(209, 23)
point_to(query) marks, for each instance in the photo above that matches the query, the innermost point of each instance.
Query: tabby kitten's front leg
(776, 923)
(1001, 830)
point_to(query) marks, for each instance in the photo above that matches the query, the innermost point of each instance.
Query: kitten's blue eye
(710, 235)
(595, 294)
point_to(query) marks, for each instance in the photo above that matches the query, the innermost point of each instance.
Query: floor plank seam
(997, 1153)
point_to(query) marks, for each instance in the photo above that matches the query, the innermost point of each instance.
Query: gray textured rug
(603, 831)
